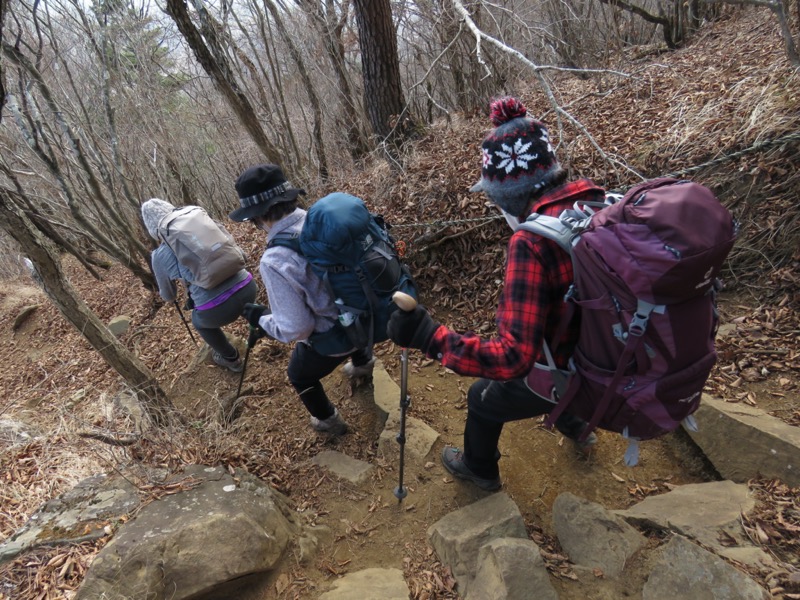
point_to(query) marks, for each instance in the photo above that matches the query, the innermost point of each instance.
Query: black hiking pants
(490, 404)
(307, 367)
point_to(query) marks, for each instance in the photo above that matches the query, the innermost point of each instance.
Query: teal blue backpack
(350, 249)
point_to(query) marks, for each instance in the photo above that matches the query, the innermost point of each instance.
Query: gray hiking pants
(208, 322)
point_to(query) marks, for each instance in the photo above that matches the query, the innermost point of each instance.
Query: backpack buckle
(642, 316)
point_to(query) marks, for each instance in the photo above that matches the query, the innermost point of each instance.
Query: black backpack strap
(287, 240)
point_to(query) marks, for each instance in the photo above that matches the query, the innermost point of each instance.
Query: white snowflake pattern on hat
(511, 158)
(486, 158)
(546, 139)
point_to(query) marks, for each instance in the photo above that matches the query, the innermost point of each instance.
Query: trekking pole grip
(404, 301)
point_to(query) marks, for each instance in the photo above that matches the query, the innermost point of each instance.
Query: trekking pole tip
(400, 493)
(404, 301)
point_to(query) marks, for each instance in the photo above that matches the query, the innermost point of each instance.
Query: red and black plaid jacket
(538, 275)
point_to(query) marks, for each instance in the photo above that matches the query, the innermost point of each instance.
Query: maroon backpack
(645, 282)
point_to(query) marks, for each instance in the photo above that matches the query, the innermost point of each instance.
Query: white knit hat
(153, 211)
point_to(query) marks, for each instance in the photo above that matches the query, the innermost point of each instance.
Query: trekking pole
(406, 303)
(185, 322)
(251, 341)
(233, 413)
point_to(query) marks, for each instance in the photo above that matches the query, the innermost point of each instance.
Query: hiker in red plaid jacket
(520, 175)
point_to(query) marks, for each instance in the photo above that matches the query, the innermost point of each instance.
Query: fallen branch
(124, 439)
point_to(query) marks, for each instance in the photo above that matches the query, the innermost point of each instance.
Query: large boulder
(511, 569)
(710, 513)
(199, 543)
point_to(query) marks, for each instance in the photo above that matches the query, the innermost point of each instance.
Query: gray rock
(701, 511)
(341, 465)
(744, 442)
(197, 543)
(420, 437)
(592, 536)
(685, 570)
(311, 541)
(119, 325)
(457, 537)
(511, 569)
(81, 514)
(380, 584)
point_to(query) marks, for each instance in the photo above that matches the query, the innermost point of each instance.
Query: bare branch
(538, 70)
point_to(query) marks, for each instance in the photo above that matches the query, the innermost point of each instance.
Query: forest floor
(53, 380)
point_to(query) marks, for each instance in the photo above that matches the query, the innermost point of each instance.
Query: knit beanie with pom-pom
(153, 211)
(518, 160)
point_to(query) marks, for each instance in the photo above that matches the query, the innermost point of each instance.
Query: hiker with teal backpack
(201, 253)
(520, 175)
(329, 273)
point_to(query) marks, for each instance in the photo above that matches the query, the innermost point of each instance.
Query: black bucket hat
(259, 189)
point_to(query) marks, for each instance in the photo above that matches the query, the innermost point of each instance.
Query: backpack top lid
(666, 239)
(336, 230)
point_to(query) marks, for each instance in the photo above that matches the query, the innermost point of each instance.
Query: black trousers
(306, 369)
(490, 404)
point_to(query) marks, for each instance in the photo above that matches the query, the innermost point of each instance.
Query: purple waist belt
(226, 294)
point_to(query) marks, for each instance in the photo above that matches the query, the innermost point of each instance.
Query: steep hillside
(696, 112)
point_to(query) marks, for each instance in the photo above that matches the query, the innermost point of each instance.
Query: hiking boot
(453, 461)
(364, 370)
(335, 424)
(586, 445)
(234, 365)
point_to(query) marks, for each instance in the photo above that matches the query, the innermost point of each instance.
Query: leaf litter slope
(680, 109)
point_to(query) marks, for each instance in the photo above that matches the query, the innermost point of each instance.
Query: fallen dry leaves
(774, 525)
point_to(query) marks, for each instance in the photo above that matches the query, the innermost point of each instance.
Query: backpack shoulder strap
(287, 240)
(552, 228)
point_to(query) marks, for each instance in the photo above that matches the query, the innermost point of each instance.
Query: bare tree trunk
(781, 11)
(351, 112)
(312, 94)
(666, 24)
(63, 295)
(220, 73)
(383, 93)
(88, 225)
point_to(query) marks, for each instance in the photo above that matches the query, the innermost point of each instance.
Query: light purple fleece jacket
(299, 300)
